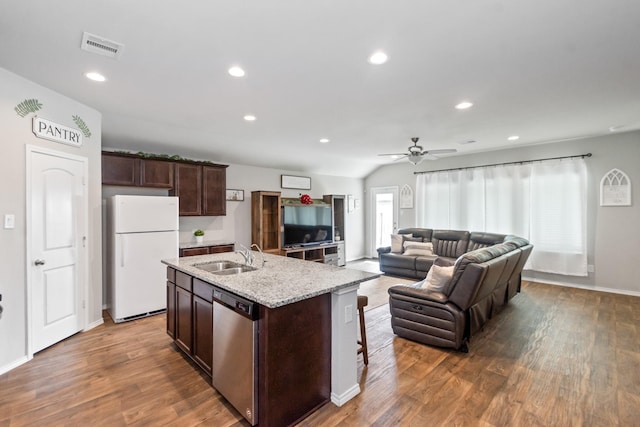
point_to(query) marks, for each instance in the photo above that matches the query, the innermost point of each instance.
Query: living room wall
(613, 232)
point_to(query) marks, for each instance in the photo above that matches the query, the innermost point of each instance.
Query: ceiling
(544, 70)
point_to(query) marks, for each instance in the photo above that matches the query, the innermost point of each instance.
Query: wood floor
(555, 357)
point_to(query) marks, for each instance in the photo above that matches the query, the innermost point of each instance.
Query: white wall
(613, 232)
(15, 134)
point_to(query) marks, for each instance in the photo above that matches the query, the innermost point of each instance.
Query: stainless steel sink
(217, 265)
(234, 270)
(224, 268)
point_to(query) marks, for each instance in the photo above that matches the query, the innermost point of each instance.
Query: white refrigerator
(142, 230)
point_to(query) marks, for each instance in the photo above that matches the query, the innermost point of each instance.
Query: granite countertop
(205, 243)
(282, 280)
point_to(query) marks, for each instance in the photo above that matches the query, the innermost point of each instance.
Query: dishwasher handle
(236, 303)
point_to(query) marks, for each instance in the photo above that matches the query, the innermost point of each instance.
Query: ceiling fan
(416, 154)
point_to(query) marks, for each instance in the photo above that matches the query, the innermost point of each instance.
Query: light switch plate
(9, 220)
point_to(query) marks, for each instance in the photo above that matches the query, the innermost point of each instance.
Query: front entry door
(57, 223)
(384, 220)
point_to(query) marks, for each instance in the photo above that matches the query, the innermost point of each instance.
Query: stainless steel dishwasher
(234, 367)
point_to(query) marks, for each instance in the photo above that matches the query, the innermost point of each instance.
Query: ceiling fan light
(415, 159)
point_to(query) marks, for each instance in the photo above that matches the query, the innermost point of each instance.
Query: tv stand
(325, 252)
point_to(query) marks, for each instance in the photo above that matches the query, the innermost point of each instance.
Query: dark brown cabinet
(118, 169)
(201, 189)
(156, 173)
(132, 171)
(214, 185)
(266, 220)
(171, 302)
(183, 312)
(205, 250)
(190, 317)
(201, 186)
(203, 324)
(188, 187)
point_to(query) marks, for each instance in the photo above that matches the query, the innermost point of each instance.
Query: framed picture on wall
(235, 195)
(297, 182)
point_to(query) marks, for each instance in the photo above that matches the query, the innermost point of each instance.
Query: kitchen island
(304, 321)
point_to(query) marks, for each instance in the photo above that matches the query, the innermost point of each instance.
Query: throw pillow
(438, 278)
(418, 248)
(396, 242)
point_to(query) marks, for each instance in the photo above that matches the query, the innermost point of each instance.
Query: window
(545, 202)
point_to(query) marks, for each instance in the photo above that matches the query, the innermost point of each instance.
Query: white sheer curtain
(545, 202)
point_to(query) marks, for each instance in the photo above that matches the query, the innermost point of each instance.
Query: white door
(384, 219)
(56, 254)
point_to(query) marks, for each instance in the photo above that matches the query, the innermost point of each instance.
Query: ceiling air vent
(101, 46)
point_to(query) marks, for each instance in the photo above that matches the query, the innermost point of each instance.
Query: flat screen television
(307, 225)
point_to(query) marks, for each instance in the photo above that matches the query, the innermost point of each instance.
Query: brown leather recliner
(483, 281)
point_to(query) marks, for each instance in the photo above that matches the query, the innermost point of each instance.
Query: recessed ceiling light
(615, 128)
(236, 71)
(513, 138)
(249, 118)
(378, 58)
(464, 105)
(96, 77)
(324, 140)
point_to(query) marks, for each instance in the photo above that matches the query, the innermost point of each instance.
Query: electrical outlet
(591, 268)
(348, 313)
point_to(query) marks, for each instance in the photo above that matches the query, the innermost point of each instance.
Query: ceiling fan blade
(442, 151)
(393, 154)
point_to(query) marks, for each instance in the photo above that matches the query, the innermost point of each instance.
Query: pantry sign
(46, 129)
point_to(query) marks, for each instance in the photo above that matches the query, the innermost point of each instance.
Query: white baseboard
(13, 365)
(346, 396)
(93, 324)
(589, 288)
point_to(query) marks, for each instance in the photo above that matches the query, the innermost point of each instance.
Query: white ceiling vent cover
(101, 46)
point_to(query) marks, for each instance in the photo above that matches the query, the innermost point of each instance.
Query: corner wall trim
(21, 361)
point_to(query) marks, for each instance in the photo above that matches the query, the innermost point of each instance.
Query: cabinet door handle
(38, 262)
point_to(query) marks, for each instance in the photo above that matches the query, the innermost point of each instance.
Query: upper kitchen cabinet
(156, 173)
(133, 171)
(120, 169)
(188, 187)
(201, 186)
(214, 185)
(201, 189)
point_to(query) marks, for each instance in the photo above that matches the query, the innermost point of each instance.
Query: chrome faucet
(261, 253)
(246, 254)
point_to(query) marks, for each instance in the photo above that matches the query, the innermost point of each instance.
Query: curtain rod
(506, 163)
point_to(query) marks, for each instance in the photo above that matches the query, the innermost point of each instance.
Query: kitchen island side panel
(294, 360)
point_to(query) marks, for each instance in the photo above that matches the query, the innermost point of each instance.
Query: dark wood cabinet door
(188, 187)
(120, 169)
(156, 173)
(203, 333)
(194, 251)
(220, 248)
(214, 184)
(171, 309)
(183, 331)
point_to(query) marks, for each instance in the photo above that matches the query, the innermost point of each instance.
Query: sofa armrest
(384, 250)
(415, 291)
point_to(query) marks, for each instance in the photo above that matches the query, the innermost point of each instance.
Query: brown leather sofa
(446, 243)
(484, 280)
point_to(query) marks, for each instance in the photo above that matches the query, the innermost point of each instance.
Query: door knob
(39, 262)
